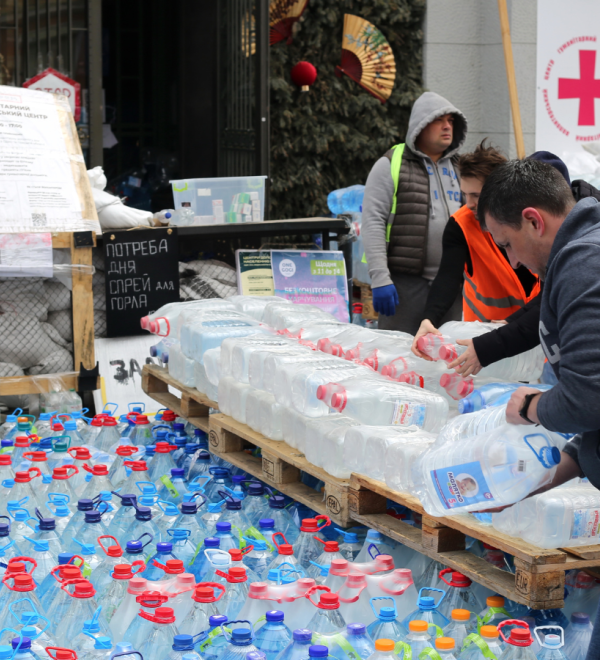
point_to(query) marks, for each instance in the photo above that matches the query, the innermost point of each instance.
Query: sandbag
(24, 295)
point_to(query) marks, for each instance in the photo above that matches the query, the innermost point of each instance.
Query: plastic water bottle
(273, 636)
(484, 396)
(82, 607)
(578, 636)
(494, 612)
(551, 645)
(158, 643)
(350, 547)
(240, 643)
(284, 522)
(327, 620)
(297, 648)
(48, 586)
(318, 569)
(385, 649)
(200, 566)
(360, 643)
(346, 200)
(427, 609)
(519, 643)
(459, 627)
(10, 422)
(203, 608)
(257, 559)
(455, 478)
(236, 590)
(216, 642)
(307, 547)
(418, 638)
(373, 538)
(221, 479)
(473, 646)
(164, 552)
(460, 595)
(387, 403)
(386, 624)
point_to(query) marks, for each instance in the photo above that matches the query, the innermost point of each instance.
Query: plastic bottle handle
(441, 591)
(275, 542)
(512, 622)
(229, 629)
(371, 600)
(71, 467)
(35, 469)
(312, 590)
(67, 583)
(29, 560)
(116, 543)
(140, 564)
(562, 636)
(441, 576)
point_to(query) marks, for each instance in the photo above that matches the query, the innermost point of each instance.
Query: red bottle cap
(236, 554)
(204, 595)
(168, 416)
(164, 615)
(22, 441)
(5, 459)
(81, 453)
(23, 582)
(329, 602)
(174, 566)
(109, 421)
(142, 419)
(84, 589)
(286, 549)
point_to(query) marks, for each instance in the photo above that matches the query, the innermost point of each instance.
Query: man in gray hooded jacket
(410, 194)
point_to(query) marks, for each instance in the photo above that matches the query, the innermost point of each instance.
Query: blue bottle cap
(579, 618)
(85, 505)
(204, 456)
(303, 635)
(220, 472)
(266, 523)
(212, 542)
(164, 547)
(466, 406)
(65, 557)
(93, 516)
(21, 642)
(106, 496)
(189, 508)
(191, 449)
(318, 651)
(178, 426)
(198, 433)
(183, 643)
(387, 613)
(46, 524)
(7, 443)
(70, 425)
(87, 548)
(6, 652)
(128, 499)
(241, 636)
(238, 479)
(143, 513)
(103, 642)
(274, 615)
(233, 504)
(426, 603)
(216, 619)
(45, 443)
(277, 502)
(9, 484)
(180, 441)
(214, 507)
(255, 655)
(91, 626)
(171, 510)
(177, 472)
(146, 500)
(273, 575)
(224, 526)
(29, 631)
(552, 640)
(123, 647)
(134, 547)
(21, 516)
(150, 450)
(4, 529)
(356, 628)
(374, 535)
(29, 619)
(256, 489)
(189, 656)
(161, 434)
(62, 510)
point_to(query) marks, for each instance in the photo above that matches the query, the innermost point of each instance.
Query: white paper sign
(121, 361)
(568, 75)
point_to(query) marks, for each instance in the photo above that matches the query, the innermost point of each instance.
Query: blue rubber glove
(385, 299)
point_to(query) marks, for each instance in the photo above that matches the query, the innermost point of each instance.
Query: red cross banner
(568, 75)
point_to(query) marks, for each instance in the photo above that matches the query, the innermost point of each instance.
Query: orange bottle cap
(445, 643)
(461, 615)
(418, 626)
(494, 601)
(489, 631)
(384, 645)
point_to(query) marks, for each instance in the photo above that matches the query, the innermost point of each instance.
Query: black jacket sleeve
(519, 335)
(446, 285)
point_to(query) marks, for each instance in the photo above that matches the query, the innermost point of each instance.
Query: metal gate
(243, 131)
(64, 35)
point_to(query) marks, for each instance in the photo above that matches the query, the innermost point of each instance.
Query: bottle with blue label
(240, 642)
(455, 478)
(215, 644)
(428, 609)
(273, 636)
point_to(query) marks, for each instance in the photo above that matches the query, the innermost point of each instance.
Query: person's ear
(534, 219)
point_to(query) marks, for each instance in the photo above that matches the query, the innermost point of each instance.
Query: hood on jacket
(583, 218)
(430, 106)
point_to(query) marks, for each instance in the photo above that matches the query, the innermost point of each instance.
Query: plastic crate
(222, 200)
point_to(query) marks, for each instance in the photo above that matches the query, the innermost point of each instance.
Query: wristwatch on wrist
(525, 407)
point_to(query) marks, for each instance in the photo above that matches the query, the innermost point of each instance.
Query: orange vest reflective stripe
(493, 291)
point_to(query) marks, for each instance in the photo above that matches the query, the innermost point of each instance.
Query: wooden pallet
(280, 467)
(539, 577)
(191, 404)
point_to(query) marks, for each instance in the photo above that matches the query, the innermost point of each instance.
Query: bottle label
(407, 414)
(169, 486)
(461, 485)
(586, 524)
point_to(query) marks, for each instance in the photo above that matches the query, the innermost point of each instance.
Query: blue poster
(461, 485)
(312, 278)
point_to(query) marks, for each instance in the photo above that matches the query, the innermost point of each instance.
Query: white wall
(464, 62)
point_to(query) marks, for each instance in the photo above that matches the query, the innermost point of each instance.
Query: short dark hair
(481, 162)
(518, 184)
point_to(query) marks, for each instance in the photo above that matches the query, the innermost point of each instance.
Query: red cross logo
(586, 88)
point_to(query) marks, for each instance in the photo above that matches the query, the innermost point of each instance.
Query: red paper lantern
(304, 75)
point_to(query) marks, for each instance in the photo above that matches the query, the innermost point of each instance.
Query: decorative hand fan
(367, 57)
(282, 16)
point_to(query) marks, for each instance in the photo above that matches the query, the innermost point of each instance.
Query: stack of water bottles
(124, 536)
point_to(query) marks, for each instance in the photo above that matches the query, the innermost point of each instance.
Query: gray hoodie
(570, 335)
(444, 191)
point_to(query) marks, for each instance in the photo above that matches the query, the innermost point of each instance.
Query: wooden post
(512, 81)
(83, 309)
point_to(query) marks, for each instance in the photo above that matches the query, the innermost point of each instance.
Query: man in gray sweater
(529, 209)
(410, 194)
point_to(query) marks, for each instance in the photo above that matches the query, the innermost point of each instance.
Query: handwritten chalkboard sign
(142, 274)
